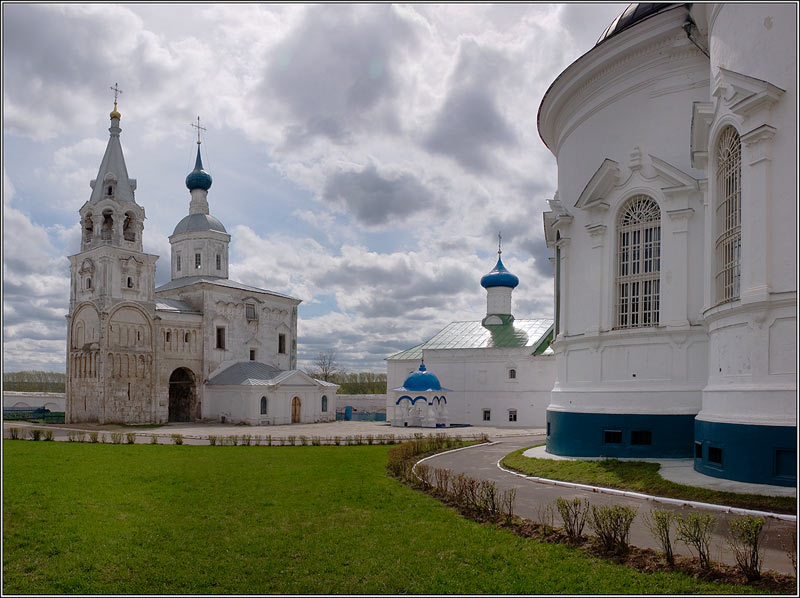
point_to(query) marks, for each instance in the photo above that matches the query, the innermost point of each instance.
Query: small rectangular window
(197, 260)
(641, 437)
(281, 343)
(252, 354)
(698, 450)
(612, 436)
(178, 262)
(715, 455)
(487, 415)
(219, 262)
(250, 311)
(512, 415)
(220, 338)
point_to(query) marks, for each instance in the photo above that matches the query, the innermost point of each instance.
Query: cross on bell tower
(199, 128)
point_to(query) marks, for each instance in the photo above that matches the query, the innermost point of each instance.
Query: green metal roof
(474, 335)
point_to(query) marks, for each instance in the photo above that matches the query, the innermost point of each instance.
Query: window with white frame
(728, 218)
(638, 263)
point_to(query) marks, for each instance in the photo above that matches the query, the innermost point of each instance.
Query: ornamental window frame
(727, 216)
(637, 284)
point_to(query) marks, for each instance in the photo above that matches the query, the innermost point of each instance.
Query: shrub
(34, 434)
(212, 440)
(659, 522)
(71, 436)
(488, 499)
(233, 440)
(790, 548)
(370, 438)
(257, 439)
(546, 516)
(131, 437)
(81, 436)
(246, 438)
(93, 437)
(423, 473)
(116, 437)
(507, 504)
(612, 525)
(390, 439)
(358, 439)
(745, 543)
(695, 531)
(14, 433)
(441, 481)
(316, 441)
(47, 435)
(291, 439)
(303, 440)
(268, 439)
(153, 439)
(348, 440)
(573, 513)
(337, 440)
(176, 438)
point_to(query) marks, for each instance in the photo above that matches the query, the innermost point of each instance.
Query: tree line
(326, 367)
(35, 381)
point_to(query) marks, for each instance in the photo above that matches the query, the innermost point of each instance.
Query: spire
(198, 178)
(112, 177)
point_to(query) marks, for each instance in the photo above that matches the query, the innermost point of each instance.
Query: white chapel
(201, 346)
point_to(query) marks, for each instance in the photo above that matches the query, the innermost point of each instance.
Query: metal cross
(499, 242)
(116, 91)
(199, 128)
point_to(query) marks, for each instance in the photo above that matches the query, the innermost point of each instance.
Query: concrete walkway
(481, 462)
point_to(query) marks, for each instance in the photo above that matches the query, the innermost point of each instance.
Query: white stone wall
(374, 403)
(237, 404)
(479, 379)
(54, 401)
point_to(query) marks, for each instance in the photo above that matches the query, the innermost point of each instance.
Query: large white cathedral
(674, 231)
(201, 346)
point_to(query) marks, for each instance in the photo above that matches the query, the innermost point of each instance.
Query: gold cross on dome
(499, 243)
(199, 128)
(116, 91)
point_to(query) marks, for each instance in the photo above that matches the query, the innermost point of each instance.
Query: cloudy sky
(364, 156)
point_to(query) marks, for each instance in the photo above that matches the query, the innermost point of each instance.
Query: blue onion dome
(499, 277)
(198, 178)
(422, 380)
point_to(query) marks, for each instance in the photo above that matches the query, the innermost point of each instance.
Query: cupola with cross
(499, 284)
(199, 241)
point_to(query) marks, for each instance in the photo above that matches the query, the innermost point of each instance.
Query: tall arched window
(728, 216)
(263, 405)
(638, 263)
(324, 408)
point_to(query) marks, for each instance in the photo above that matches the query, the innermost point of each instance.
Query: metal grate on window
(728, 248)
(638, 263)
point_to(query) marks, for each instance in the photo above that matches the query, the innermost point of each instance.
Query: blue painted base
(592, 435)
(755, 454)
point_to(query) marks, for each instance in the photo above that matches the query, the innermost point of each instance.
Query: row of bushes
(611, 524)
(438, 440)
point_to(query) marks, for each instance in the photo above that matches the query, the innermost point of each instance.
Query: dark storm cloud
(469, 124)
(337, 68)
(541, 255)
(375, 199)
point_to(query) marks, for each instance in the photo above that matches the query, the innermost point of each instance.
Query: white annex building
(200, 346)
(497, 371)
(674, 230)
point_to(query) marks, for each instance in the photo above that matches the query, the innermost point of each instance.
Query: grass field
(121, 519)
(640, 476)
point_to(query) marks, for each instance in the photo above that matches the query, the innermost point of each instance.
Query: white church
(200, 347)
(497, 371)
(674, 232)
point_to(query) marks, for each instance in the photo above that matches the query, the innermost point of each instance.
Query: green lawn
(121, 519)
(640, 476)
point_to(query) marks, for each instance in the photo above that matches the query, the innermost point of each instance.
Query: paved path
(481, 462)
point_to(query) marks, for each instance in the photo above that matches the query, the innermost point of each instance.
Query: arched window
(512, 374)
(728, 248)
(263, 405)
(638, 263)
(169, 336)
(88, 284)
(130, 282)
(324, 407)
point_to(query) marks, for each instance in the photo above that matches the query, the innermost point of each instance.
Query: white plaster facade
(642, 114)
(137, 354)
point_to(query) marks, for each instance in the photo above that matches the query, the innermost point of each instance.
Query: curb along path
(482, 462)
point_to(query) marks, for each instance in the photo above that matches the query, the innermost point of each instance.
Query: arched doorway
(296, 410)
(182, 397)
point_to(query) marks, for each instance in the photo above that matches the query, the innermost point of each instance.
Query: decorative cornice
(600, 185)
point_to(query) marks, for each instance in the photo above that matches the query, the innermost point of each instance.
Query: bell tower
(110, 354)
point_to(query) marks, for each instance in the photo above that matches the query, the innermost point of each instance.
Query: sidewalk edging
(660, 499)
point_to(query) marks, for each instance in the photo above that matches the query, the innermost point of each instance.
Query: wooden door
(296, 410)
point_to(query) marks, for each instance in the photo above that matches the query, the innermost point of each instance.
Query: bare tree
(326, 366)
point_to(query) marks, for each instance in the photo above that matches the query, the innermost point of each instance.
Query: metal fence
(40, 414)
